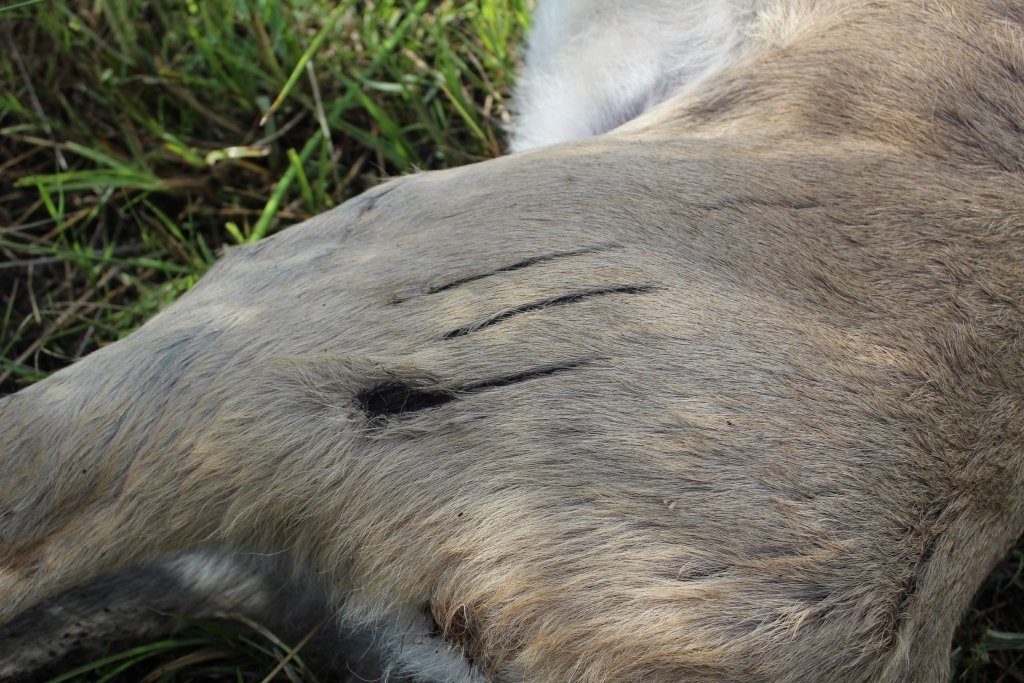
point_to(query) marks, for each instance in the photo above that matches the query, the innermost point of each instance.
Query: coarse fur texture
(733, 392)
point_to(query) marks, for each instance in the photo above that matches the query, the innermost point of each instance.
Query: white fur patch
(593, 65)
(408, 642)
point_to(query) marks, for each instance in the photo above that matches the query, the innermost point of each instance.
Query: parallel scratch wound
(548, 303)
(518, 265)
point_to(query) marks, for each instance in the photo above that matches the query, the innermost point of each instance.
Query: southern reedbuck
(726, 385)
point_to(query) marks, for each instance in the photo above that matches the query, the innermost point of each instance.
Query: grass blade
(300, 67)
(270, 210)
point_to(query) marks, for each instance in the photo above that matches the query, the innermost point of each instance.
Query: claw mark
(548, 303)
(518, 265)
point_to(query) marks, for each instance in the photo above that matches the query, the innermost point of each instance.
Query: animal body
(729, 389)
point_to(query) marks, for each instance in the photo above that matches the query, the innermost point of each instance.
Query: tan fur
(777, 435)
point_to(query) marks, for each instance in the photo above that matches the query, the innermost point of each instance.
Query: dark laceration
(397, 398)
(548, 303)
(523, 376)
(518, 265)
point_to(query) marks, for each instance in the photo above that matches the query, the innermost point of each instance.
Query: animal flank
(716, 378)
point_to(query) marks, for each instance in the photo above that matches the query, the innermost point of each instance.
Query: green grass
(228, 649)
(131, 154)
(989, 645)
(131, 150)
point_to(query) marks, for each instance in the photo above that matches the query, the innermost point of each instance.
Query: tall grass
(132, 153)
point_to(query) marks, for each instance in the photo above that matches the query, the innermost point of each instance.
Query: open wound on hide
(395, 397)
(549, 303)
